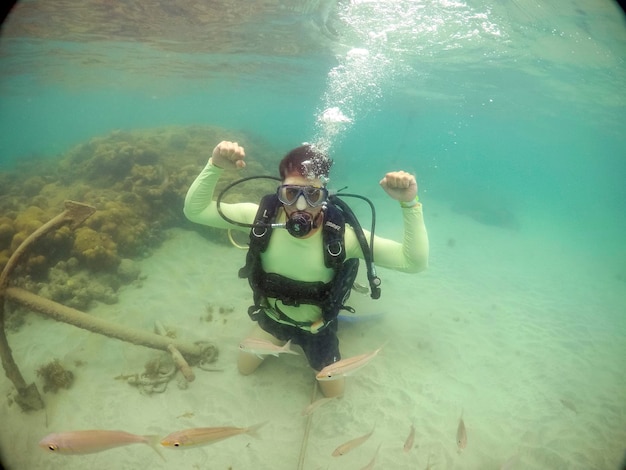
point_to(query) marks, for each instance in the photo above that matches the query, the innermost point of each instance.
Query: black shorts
(320, 348)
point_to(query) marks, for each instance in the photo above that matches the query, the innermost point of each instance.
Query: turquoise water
(515, 106)
(515, 102)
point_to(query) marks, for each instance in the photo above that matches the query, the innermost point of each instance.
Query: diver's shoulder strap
(368, 254)
(333, 233)
(260, 235)
(265, 216)
(333, 237)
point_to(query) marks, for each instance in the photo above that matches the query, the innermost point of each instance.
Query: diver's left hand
(400, 185)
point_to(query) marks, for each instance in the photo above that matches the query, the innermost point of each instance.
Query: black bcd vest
(330, 296)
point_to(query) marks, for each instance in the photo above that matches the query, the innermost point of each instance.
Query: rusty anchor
(28, 396)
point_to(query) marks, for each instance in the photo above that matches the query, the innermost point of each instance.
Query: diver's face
(301, 203)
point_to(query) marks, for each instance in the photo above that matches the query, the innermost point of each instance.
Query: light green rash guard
(302, 259)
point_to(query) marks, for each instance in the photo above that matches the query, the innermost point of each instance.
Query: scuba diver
(304, 251)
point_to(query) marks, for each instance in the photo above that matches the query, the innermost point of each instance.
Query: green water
(513, 104)
(512, 101)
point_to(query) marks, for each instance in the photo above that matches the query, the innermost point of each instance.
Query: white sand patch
(515, 335)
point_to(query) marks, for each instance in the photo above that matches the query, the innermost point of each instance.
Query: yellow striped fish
(345, 367)
(408, 444)
(461, 435)
(261, 347)
(343, 449)
(203, 436)
(88, 442)
(370, 465)
(315, 405)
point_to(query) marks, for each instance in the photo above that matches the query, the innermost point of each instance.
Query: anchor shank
(97, 325)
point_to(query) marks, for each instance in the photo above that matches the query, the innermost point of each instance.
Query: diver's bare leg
(248, 363)
(332, 388)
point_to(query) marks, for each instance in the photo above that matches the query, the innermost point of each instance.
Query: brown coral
(122, 223)
(137, 180)
(6, 232)
(96, 249)
(30, 220)
(55, 376)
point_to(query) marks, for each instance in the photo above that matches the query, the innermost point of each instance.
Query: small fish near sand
(569, 405)
(346, 367)
(91, 441)
(370, 465)
(461, 435)
(315, 405)
(196, 437)
(346, 447)
(261, 347)
(408, 444)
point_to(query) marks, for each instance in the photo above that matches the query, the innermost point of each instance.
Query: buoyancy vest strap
(330, 297)
(260, 236)
(334, 229)
(294, 293)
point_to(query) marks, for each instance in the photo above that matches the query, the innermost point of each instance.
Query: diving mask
(288, 194)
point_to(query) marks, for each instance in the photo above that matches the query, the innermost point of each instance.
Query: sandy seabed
(507, 328)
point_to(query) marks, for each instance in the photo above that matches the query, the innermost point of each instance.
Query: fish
(195, 437)
(315, 405)
(345, 367)
(346, 447)
(91, 441)
(261, 347)
(461, 435)
(408, 444)
(569, 405)
(370, 465)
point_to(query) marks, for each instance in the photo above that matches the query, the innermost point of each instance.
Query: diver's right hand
(228, 155)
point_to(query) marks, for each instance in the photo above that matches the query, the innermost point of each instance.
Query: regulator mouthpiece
(300, 224)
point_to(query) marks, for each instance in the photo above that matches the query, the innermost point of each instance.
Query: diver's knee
(248, 363)
(332, 388)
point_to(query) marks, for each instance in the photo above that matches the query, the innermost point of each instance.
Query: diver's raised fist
(228, 155)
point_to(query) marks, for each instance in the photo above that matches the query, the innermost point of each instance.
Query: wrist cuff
(409, 204)
(213, 164)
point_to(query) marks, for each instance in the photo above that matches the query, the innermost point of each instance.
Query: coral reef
(70, 284)
(128, 271)
(7, 230)
(96, 249)
(137, 180)
(79, 290)
(55, 376)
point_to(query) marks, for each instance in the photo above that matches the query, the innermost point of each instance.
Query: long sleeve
(200, 208)
(410, 256)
